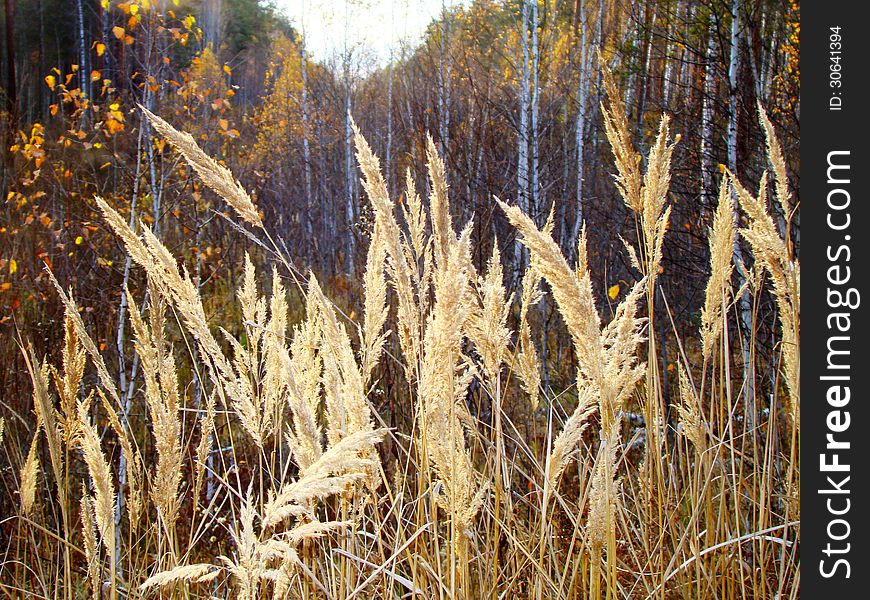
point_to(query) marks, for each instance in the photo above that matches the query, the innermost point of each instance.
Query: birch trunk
(120, 342)
(707, 118)
(443, 85)
(582, 96)
(11, 81)
(536, 207)
(348, 170)
(84, 72)
(212, 12)
(745, 303)
(388, 158)
(306, 149)
(523, 137)
(104, 32)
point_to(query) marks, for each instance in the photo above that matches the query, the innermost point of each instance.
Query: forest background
(515, 116)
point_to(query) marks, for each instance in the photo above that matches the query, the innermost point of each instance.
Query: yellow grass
(313, 493)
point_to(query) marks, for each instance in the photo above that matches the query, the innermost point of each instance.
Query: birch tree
(523, 132)
(582, 96)
(709, 92)
(745, 303)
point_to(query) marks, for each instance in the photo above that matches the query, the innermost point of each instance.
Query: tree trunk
(11, 80)
(672, 63)
(306, 149)
(443, 86)
(84, 72)
(212, 13)
(104, 32)
(707, 119)
(523, 137)
(388, 155)
(582, 95)
(745, 303)
(348, 170)
(536, 206)
(649, 26)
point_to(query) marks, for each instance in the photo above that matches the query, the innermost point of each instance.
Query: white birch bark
(348, 169)
(579, 138)
(707, 118)
(306, 148)
(84, 72)
(444, 84)
(388, 158)
(536, 206)
(745, 304)
(523, 137)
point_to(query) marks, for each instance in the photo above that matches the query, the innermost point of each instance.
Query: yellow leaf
(228, 70)
(613, 291)
(13, 266)
(101, 48)
(134, 9)
(118, 32)
(51, 81)
(224, 124)
(79, 240)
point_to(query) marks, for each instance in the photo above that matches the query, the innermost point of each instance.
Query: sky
(374, 27)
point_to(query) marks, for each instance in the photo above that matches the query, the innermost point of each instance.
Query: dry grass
(307, 492)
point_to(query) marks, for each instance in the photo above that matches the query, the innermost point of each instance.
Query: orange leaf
(101, 48)
(95, 75)
(224, 124)
(118, 32)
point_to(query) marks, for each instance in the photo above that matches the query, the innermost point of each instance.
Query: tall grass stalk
(416, 453)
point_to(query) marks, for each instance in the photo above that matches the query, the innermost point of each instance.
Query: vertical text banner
(835, 253)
